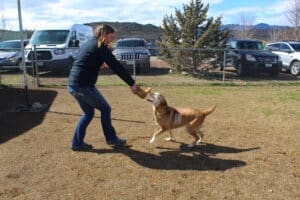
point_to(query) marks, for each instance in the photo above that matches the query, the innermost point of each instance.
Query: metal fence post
(134, 67)
(224, 65)
(36, 70)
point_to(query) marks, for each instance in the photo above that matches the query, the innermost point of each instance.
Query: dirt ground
(250, 149)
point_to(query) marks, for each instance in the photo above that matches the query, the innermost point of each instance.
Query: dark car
(249, 56)
(10, 54)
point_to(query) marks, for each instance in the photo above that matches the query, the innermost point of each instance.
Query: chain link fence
(46, 66)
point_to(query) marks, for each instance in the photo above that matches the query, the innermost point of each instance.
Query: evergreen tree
(191, 29)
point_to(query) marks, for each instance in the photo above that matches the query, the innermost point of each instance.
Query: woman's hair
(101, 31)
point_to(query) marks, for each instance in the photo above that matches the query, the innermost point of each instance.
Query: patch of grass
(290, 95)
(267, 112)
(201, 90)
(294, 113)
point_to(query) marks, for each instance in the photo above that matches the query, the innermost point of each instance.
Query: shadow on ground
(14, 123)
(176, 159)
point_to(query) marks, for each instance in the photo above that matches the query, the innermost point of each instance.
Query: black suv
(250, 56)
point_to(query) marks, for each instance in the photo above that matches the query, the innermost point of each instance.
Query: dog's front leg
(170, 136)
(155, 134)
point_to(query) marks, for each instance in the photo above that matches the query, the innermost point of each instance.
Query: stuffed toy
(143, 93)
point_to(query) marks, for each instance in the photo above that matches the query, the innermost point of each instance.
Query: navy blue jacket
(90, 57)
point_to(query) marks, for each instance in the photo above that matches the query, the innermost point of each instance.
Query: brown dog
(169, 118)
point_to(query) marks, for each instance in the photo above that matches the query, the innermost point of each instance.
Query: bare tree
(275, 34)
(293, 15)
(245, 28)
(3, 25)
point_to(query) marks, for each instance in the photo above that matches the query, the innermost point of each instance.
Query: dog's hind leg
(193, 133)
(170, 136)
(201, 136)
(161, 130)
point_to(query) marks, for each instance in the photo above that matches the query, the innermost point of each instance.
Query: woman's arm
(117, 67)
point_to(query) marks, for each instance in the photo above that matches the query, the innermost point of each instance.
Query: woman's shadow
(198, 158)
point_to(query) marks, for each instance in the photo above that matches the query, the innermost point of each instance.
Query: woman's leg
(88, 114)
(95, 99)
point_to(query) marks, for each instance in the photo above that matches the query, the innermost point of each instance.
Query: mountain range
(152, 32)
(260, 26)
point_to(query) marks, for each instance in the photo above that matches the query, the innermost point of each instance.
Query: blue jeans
(88, 99)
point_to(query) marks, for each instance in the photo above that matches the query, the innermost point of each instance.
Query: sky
(62, 13)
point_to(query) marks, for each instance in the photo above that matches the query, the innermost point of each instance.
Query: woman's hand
(104, 66)
(135, 88)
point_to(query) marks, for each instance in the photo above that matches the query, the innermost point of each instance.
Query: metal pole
(36, 70)
(23, 55)
(134, 67)
(224, 65)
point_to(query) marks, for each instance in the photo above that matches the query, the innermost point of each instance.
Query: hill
(132, 29)
(260, 26)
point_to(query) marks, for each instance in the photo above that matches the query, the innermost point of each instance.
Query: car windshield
(49, 37)
(10, 45)
(252, 45)
(131, 43)
(296, 46)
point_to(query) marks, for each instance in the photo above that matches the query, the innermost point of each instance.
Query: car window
(131, 43)
(274, 47)
(10, 45)
(49, 37)
(252, 45)
(296, 46)
(285, 47)
(277, 45)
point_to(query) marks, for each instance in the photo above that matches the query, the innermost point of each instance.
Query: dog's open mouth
(149, 99)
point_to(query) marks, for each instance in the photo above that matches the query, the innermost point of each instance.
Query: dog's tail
(210, 110)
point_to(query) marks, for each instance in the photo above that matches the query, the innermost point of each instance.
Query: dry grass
(250, 149)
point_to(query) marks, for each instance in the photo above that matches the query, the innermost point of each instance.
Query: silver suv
(133, 51)
(289, 53)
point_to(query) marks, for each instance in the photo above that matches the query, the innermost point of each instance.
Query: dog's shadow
(176, 159)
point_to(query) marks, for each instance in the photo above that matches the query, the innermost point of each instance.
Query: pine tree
(190, 29)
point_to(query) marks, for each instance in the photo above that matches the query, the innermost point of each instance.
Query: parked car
(10, 54)
(289, 53)
(250, 56)
(130, 51)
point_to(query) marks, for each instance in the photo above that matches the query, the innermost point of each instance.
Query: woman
(83, 76)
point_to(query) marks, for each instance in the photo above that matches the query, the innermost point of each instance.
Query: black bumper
(250, 66)
(52, 65)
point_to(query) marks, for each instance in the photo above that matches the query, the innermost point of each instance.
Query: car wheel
(69, 66)
(147, 68)
(19, 64)
(295, 68)
(221, 66)
(240, 70)
(30, 71)
(64, 70)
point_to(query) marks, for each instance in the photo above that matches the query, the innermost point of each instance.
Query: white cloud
(51, 13)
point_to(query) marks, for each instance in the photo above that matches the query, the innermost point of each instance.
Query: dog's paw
(168, 138)
(152, 140)
(198, 141)
(191, 145)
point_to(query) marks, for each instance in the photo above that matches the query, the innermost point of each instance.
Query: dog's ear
(163, 101)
